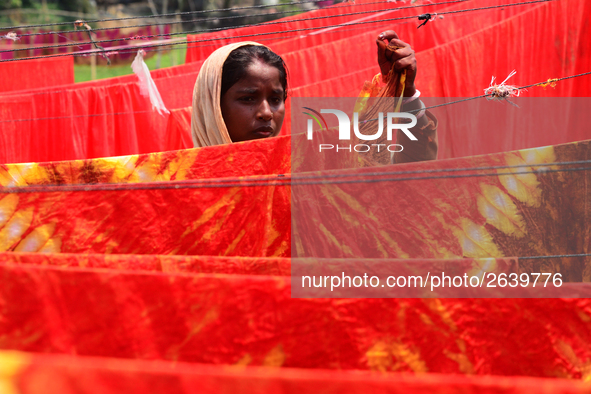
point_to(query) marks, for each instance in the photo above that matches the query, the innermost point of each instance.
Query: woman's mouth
(264, 131)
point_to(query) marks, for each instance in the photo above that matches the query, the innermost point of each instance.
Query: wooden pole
(93, 67)
(175, 52)
(160, 30)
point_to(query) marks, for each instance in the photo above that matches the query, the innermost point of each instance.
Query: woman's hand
(402, 58)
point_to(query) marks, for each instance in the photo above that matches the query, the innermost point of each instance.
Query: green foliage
(76, 5)
(25, 12)
(10, 4)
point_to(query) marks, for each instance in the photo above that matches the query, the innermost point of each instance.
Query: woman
(241, 90)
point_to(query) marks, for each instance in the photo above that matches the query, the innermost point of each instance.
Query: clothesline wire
(234, 27)
(237, 17)
(276, 181)
(417, 110)
(79, 116)
(166, 15)
(441, 170)
(274, 177)
(490, 95)
(75, 86)
(556, 256)
(94, 30)
(179, 45)
(254, 34)
(215, 29)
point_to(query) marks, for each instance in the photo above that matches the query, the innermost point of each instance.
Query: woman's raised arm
(403, 59)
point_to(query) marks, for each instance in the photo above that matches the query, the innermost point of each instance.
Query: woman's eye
(246, 99)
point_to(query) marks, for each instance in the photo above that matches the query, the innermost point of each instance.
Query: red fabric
(163, 263)
(36, 74)
(349, 48)
(230, 160)
(469, 213)
(90, 133)
(534, 60)
(178, 130)
(203, 221)
(111, 129)
(249, 318)
(94, 119)
(86, 122)
(201, 50)
(238, 265)
(234, 319)
(42, 373)
(444, 54)
(255, 221)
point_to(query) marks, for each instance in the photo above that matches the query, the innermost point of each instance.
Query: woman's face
(254, 107)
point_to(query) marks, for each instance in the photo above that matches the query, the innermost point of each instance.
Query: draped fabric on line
(35, 74)
(109, 117)
(156, 286)
(207, 124)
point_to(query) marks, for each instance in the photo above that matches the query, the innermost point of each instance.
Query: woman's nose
(265, 111)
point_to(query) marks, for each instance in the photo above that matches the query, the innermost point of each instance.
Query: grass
(82, 72)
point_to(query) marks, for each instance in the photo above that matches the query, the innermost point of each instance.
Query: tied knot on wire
(426, 18)
(502, 91)
(80, 23)
(550, 82)
(11, 36)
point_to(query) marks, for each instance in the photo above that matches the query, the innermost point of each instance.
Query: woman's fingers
(401, 59)
(405, 63)
(383, 39)
(384, 61)
(390, 39)
(387, 35)
(401, 53)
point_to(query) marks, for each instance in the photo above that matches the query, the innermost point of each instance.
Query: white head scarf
(207, 124)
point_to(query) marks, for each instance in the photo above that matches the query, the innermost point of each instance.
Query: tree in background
(18, 12)
(85, 6)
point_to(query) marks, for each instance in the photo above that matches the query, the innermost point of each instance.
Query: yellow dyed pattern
(7, 208)
(330, 237)
(500, 211)
(481, 266)
(11, 364)
(209, 213)
(36, 238)
(275, 358)
(22, 175)
(15, 228)
(409, 357)
(381, 357)
(566, 351)
(524, 187)
(464, 364)
(54, 245)
(123, 166)
(180, 166)
(541, 155)
(122, 169)
(475, 240)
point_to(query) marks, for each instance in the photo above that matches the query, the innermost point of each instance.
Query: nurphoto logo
(345, 129)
